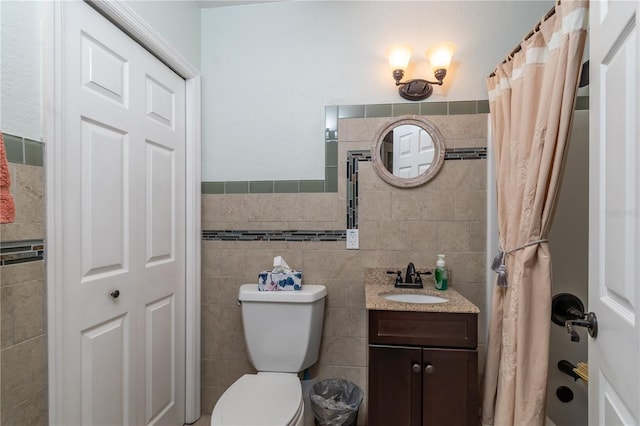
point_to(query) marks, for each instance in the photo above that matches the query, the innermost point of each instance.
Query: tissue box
(276, 281)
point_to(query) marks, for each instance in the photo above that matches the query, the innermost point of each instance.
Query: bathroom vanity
(423, 358)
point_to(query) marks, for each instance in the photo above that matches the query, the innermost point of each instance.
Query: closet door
(123, 228)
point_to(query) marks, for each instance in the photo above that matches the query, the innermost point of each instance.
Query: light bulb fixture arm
(417, 89)
(439, 74)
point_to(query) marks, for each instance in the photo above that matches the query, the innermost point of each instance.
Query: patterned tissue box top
(278, 281)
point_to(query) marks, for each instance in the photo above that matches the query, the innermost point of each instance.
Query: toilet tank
(282, 329)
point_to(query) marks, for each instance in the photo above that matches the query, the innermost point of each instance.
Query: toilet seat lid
(259, 399)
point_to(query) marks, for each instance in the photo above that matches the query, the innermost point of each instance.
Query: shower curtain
(531, 98)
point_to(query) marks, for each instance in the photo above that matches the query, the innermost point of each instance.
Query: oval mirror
(409, 151)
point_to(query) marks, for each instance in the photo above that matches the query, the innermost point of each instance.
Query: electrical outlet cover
(353, 240)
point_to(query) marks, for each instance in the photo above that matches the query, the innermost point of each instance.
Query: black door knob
(115, 294)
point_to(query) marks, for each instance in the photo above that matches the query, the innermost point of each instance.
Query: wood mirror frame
(438, 155)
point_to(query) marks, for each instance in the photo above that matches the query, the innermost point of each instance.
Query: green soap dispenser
(442, 280)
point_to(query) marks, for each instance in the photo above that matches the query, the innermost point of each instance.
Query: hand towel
(7, 205)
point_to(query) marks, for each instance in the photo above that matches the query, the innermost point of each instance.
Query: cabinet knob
(429, 369)
(415, 368)
(115, 294)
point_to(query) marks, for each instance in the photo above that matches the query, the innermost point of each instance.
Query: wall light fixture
(419, 89)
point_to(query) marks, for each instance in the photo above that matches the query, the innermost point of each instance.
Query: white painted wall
(21, 68)
(21, 32)
(177, 21)
(269, 70)
(296, 56)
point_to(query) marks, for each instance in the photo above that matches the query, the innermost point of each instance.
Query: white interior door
(412, 151)
(123, 225)
(614, 216)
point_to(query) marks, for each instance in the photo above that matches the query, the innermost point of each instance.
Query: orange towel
(7, 206)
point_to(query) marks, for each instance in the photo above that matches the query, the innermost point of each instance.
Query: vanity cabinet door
(450, 383)
(395, 386)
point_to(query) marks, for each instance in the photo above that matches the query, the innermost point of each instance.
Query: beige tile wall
(23, 341)
(396, 226)
(27, 190)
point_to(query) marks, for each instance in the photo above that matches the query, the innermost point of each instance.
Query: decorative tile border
(353, 158)
(12, 252)
(264, 187)
(413, 108)
(291, 235)
(23, 151)
(466, 153)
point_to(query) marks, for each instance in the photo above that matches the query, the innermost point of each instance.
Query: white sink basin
(415, 298)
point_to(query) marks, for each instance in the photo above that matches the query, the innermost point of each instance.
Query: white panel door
(161, 218)
(123, 228)
(614, 216)
(413, 151)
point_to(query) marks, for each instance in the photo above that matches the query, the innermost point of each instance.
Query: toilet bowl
(265, 399)
(282, 331)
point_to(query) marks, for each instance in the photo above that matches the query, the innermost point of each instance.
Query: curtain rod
(535, 29)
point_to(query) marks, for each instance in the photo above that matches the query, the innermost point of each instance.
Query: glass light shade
(398, 57)
(440, 56)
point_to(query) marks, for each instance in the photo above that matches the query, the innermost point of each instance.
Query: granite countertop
(378, 283)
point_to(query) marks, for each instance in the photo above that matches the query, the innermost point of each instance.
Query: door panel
(99, 365)
(614, 218)
(105, 200)
(103, 71)
(160, 104)
(160, 197)
(613, 408)
(160, 376)
(618, 247)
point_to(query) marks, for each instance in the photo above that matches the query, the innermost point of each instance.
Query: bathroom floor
(205, 420)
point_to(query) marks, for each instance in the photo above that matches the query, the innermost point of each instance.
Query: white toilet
(282, 330)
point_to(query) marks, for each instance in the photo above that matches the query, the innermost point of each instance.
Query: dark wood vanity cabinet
(423, 369)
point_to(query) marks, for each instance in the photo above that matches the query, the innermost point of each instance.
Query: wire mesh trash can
(335, 402)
